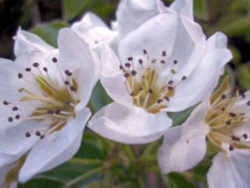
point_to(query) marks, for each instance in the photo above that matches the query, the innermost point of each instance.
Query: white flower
(160, 67)
(224, 121)
(44, 94)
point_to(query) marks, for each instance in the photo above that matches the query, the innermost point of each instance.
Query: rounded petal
(184, 146)
(130, 125)
(56, 148)
(131, 14)
(93, 30)
(230, 171)
(26, 42)
(76, 56)
(183, 7)
(112, 78)
(216, 57)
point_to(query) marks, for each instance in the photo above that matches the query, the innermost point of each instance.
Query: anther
(228, 122)
(58, 111)
(150, 91)
(133, 72)
(175, 62)
(50, 111)
(231, 148)
(235, 138)
(140, 61)
(245, 136)
(166, 98)
(223, 96)
(170, 82)
(17, 116)
(121, 67)
(170, 88)
(6, 103)
(163, 61)
(126, 75)
(128, 65)
(15, 108)
(232, 114)
(145, 51)
(68, 73)
(27, 134)
(42, 137)
(10, 119)
(66, 82)
(72, 88)
(38, 133)
(248, 103)
(20, 75)
(54, 59)
(45, 69)
(159, 101)
(164, 53)
(130, 58)
(28, 69)
(184, 78)
(35, 64)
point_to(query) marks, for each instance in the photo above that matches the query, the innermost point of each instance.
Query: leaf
(243, 76)
(200, 9)
(180, 117)
(175, 180)
(74, 8)
(49, 31)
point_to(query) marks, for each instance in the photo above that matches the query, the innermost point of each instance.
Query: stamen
(54, 59)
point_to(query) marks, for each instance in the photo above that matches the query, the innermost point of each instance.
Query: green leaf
(180, 117)
(41, 183)
(175, 180)
(49, 31)
(99, 98)
(243, 76)
(200, 9)
(74, 8)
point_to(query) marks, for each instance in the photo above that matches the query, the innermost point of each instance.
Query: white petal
(183, 7)
(184, 146)
(14, 140)
(93, 30)
(26, 42)
(156, 35)
(242, 105)
(55, 149)
(230, 171)
(215, 58)
(131, 14)
(6, 159)
(129, 125)
(76, 56)
(112, 77)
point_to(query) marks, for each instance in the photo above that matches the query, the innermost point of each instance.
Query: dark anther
(72, 88)
(184, 78)
(42, 137)
(68, 73)
(133, 72)
(164, 53)
(231, 148)
(66, 82)
(170, 88)
(145, 51)
(223, 109)
(121, 67)
(141, 61)
(245, 136)
(35, 64)
(159, 101)
(132, 94)
(50, 111)
(150, 91)
(126, 75)
(54, 59)
(15, 108)
(28, 69)
(242, 93)
(58, 111)
(27, 134)
(20, 75)
(128, 65)
(175, 62)
(166, 98)
(223, 96)
(248, 103)
(17, 116)
(228, 122)
(232, 114)
(170, 82)
(163, 61)
(5, 102)
(45, 69)
(235, 138)
(10, 119)
(38, 133)
(68, 103)
(130, 58)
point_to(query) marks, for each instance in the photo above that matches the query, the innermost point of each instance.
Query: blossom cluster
(152, 60)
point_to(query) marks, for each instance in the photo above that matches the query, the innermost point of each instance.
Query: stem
(128, 150)
(85, 161)
(141, 183)
(83, 177)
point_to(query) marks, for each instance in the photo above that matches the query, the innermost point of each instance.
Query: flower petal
(130, 125)
(184, 146)
(217, 55)
(56, 148)
(26, 42)
(230, 171)
(183, 7)
(76, 56)
(131, 14)
(112, 78)
(93, 30)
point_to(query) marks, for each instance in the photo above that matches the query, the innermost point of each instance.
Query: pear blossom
(44, 94)
(159, 68)
(224, 121)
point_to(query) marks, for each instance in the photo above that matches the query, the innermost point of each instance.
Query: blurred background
(46, 17)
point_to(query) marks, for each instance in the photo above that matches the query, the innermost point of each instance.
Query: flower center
(143, 81)
(224, 120)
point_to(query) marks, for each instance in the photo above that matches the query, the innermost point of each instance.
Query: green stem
(83, 177)
(128, 150)
(141, 183)
(85, 161)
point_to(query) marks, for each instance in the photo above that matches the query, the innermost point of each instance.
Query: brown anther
(54, 59)
(166, 98)
(130, 58)
(245, 136)
(58, 111)
(72, 88)
(223, 96)
(68, 73)
(126, 75)
(184, 78)
(45, 69)
(140, 61)
(232, 114)
(145, 51)
(159, 101)
(15, 108)
(5, 102)
(27, 134)
(10, 119)
(170, 82)
(121, 67)
(133, 72)
(163, 61)
(28, 69)
(228, 122)
(35, 64)
(20, 75)
(170, 88)
(128, 65)
(17, 116)
(231, 148)
(175, 62)
(38, 133)
(235, 138)
(66, 82)
(164, 53)
(150, 91)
